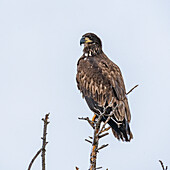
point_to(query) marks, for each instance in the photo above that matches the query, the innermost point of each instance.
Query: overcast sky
(39, 49)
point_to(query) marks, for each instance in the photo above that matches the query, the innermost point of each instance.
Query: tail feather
(123, 132)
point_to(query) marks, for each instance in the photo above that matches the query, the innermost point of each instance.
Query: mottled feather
(101, 83)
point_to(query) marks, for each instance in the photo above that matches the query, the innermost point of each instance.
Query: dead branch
(88, 120)
(103, 135)
(105, 129)
(163, 167)
(88, 141)
(97, 134)
(45, 120)
(132, 89)
(101, 147)
(33, 159)
(95, 143)
(109, 117)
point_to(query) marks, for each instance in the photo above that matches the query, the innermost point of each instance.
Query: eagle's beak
(85, 40)
(82, 41)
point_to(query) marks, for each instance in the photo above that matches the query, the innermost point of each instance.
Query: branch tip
(103, 146)
(132, 89)
(42, 150)
(164, 168)
(103, 135)
(88, 141)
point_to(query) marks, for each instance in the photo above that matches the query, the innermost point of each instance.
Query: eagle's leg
(93, 118)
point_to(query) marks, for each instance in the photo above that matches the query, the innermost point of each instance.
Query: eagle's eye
(88, 40)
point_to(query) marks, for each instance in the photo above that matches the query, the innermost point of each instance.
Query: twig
(163, 165)
(45, 120)
(88, 141)
(88, 120)
(132, 89)
(101, 147)
(105, 134)
(109, 117)
(105, 129)
(33, 159)
(43, 146)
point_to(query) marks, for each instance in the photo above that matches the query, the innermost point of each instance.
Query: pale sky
(39, 49)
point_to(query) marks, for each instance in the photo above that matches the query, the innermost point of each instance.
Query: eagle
(101, 83)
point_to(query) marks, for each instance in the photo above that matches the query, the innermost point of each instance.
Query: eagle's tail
(122, 131)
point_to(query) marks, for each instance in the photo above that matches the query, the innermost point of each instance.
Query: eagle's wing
(102, 86)
(101, 80)
(117, 91)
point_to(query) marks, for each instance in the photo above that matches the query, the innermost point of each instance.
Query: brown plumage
(101, 84)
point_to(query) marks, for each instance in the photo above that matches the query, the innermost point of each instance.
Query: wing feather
(101, 79)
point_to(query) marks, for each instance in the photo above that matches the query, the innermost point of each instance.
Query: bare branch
(132, 89)
(45, 120)
(43, 146)
(109, 117)
(97, 134)
(105, 129)
(105, 134)
(164, 168)
(33, 159)
(93, 155)
(103, 146)
(88, 141)
(88, 120)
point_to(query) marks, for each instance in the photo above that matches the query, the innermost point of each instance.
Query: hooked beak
(82, 41)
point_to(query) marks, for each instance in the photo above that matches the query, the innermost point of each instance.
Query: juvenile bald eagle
(101, 84)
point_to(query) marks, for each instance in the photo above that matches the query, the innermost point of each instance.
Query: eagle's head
(92, 44)
(89, 39)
